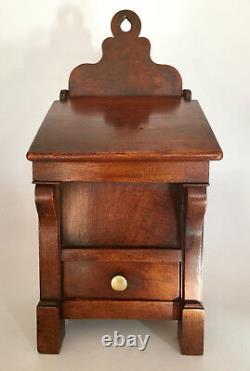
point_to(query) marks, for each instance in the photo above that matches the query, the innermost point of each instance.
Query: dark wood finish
(126, 171)
(125, 128)
(126, 67)
(64, 94)
(121, 167)
(191, 329)
(121, 309)
(148, 281)
(72, 254)
(140, 214)
(50, 327)
(194, 210)
(46, 197)
(187, 94)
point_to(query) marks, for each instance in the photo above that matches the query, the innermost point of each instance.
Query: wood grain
(120, 214)
(132, 172)
(50, 327)
(149, 281)
(121, 165)
(125, 129)
(46, 198)
(116, 254)
(191, 329)
(125, 67)
(194, 210)
(121, 309)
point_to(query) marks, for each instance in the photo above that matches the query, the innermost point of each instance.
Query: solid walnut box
(121, 166)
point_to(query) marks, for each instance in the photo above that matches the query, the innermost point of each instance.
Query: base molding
(121, 309)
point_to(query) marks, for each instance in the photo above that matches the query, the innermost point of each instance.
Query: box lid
(125, 128)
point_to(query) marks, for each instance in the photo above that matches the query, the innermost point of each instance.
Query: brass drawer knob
(119, 283)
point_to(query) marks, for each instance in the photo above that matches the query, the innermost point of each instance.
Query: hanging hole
(126, 25)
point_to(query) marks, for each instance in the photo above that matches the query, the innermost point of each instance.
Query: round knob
(119, 283)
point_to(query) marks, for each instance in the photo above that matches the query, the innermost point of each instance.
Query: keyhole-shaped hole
(126, 25)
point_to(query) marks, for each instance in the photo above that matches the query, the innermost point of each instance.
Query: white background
(209, 43)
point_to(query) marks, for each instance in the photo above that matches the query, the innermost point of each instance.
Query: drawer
(139, 275)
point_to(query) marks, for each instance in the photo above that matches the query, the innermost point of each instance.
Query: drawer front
(139, 280)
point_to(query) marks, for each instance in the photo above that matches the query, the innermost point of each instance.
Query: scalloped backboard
(125, 68)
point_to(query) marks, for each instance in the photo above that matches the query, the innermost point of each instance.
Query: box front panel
(120, 214)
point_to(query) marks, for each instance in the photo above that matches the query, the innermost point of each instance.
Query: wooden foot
(191, 329)
(50, 327)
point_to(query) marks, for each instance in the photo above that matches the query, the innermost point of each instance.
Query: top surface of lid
(125, 128)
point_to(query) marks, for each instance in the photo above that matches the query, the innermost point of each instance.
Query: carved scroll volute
(46, 197)
(126, 67)
(194, 210)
